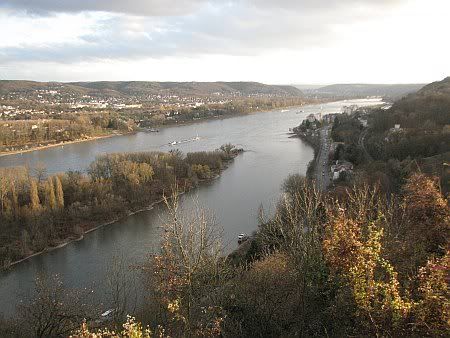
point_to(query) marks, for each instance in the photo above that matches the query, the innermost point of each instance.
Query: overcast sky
(272, 41)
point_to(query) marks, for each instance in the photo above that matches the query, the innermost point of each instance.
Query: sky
(270, 41)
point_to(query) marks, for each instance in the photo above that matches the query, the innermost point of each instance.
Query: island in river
(40, 214)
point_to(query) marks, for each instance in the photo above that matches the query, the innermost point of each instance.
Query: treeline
(357, 264)
(38, 211)
(235, 107)
(18, 134)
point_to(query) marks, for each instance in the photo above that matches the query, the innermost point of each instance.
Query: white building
(340, 167)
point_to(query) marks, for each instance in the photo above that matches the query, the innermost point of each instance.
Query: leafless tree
(121, 292)
(54, 310)
(40, 171)
(190, 269)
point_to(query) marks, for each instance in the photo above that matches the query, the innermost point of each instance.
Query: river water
(252, 180)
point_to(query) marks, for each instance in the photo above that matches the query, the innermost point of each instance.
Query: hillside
(436, 88)
(22, 86)
(137, 88)
(392, 91)
(191, 88)
(431, 103)
(422, 136)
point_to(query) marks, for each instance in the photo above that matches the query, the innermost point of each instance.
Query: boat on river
(174, 143)
(242, 238)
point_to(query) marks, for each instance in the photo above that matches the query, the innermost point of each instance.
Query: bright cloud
(282, 41)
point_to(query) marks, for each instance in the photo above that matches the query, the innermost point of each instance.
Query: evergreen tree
(59, 193)
(15, 201)
(35, 203)
(51, 199)
(3, 193)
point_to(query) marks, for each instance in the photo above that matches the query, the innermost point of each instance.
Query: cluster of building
(40, 103)
(18, 112)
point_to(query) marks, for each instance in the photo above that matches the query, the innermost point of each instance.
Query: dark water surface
(252, 180)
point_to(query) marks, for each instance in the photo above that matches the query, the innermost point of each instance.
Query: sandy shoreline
(15, 152)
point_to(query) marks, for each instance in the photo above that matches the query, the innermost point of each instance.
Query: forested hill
(429, 105)
(391, 91)
(137, 88)
(437, 88)
(422, 136)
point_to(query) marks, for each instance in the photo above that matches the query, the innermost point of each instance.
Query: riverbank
(60, 144)
(231, 115)
(81, 237)
(314, 142)
(159, 126)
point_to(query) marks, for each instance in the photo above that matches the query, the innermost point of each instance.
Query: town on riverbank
(37, 115)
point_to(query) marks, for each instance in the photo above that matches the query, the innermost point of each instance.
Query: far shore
(162, 126)
(93, 138)
(215, 118)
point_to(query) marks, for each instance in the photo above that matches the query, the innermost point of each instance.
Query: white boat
(185, 141)
(242, 238)
(108, 313)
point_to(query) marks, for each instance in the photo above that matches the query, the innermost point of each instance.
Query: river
(252, 180)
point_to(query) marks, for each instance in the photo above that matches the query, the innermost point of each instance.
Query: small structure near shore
(341, 167)
(242, 238)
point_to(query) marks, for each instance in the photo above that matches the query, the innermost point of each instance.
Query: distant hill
(436, 88)
(308, 87)
(431, 103)
(138, 88)
(21, 86)
(393, 91)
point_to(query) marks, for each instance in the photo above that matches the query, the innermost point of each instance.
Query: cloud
(136, 7)
(173, 7)
(235, 27)
(254, 37)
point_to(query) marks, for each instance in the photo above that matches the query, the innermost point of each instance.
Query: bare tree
(54, 310)
(189, 270)
(296, 231)
(121, 290)
(40, 171)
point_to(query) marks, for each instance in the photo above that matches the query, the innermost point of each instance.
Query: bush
(202, 171)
